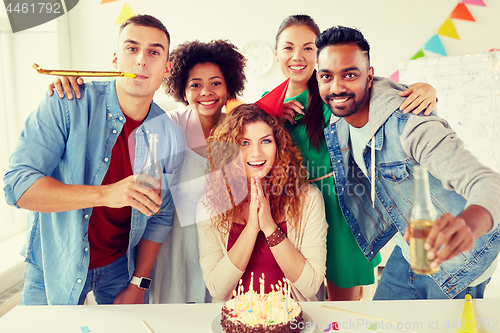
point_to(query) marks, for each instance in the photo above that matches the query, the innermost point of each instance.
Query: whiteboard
(468, 90)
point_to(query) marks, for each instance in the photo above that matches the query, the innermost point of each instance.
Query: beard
(348, 110)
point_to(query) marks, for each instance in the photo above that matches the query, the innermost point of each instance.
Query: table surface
(411, 316)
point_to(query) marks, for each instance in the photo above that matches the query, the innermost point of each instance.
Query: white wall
(396, 29)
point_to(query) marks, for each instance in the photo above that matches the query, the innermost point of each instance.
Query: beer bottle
(421, 219)
(152, 166)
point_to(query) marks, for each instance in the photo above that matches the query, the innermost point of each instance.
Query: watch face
(260, 57)
(145, 283)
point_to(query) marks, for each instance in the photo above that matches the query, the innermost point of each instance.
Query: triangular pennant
(435, 45)
(232, 104)
(126, 13)
(473, 2)
(461, 12)
(448, 29)
(395, 76)
(419, 54)
(272, 102)
(106, 1)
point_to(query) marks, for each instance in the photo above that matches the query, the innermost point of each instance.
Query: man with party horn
(91, 227)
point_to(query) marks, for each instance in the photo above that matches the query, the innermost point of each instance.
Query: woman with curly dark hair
(259, 215)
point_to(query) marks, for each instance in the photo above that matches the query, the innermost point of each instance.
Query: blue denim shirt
(372, 227)
(71, 141)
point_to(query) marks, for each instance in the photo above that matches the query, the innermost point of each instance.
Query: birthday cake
(252, 312)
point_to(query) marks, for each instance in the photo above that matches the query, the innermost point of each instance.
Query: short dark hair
(219, 52)
(299, 19)
(146, 21)
(339, 35)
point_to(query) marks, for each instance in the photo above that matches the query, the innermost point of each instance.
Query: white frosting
(261, 309)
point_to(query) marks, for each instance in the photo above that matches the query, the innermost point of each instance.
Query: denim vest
(373, 227)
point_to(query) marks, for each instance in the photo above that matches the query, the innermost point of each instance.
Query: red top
(109, 227)
(261, 260)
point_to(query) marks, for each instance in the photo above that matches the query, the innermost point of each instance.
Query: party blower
(65, 72)
(468, 322)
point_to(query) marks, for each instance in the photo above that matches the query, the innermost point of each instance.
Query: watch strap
(141, 282)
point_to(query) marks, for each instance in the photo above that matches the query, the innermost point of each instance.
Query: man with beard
(374, 148)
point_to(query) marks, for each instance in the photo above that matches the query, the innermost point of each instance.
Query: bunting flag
(232, 103)
(462, 13)
(448, 29)
(419, 54)
(106, 1)
(435, 45)
(395, 76)
(473, 2)
(126, 13)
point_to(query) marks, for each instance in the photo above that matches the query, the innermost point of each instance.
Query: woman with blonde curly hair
(259, 214)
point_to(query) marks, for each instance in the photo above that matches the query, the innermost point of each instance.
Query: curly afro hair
(219, 52)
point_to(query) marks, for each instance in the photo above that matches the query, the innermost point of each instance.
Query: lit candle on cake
(240, 288)
(287, 295)
(251, 292)
(262, 298)
(234, 296)
(270, 309)
(278, 289)
(262, 286)
(251, 300)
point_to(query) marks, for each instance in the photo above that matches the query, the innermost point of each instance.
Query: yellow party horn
(65, 72)
(468, 322)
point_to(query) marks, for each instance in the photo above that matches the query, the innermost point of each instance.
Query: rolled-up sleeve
(39, 148)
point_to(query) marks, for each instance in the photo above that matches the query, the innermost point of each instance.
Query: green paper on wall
(419, 54)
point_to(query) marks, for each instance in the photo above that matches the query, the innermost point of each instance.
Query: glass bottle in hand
(152, 166)
(421, 219)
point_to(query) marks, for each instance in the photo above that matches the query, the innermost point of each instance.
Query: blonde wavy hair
(225, 185)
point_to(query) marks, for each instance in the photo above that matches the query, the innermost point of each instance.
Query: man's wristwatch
(141, 282)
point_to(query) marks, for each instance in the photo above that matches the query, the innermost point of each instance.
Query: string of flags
(434, 44)
(447, 29)
(125, 13)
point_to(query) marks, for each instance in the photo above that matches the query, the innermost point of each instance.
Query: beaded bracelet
(275, 238)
